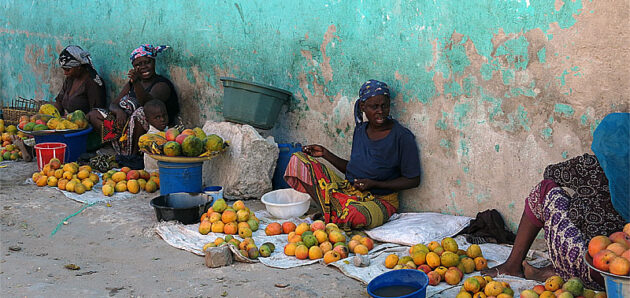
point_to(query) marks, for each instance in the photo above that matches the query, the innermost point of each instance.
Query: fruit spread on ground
(441, 261)
(232, 220)
(9, 151)
(79, 179)
(49, 118)
(555, 286)
(612, 254)
(189, 143)
(484, 286)
(319, 240)
(130, 180)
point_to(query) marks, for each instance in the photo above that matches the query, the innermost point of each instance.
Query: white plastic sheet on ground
(188, 238)
(412, 228)
(406, 228)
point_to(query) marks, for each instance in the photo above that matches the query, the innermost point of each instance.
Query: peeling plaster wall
(493, 90)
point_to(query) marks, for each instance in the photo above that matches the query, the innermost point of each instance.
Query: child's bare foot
(26, 155)
(539, 274)
(504, 268)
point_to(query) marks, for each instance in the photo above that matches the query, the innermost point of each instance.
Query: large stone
(245, 170)
(218, 256)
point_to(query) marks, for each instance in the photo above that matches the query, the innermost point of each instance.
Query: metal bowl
(181, 206)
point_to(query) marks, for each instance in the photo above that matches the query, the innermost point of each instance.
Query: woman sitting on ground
(82, 88)
(118, 124)
(599, 205)
(384, 160)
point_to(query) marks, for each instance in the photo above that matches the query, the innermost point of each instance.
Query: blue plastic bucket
(404, 278)
(76, 142)
(617, 287)
(284, 155)
(180, 177)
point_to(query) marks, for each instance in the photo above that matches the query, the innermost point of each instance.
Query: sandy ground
(119, 253)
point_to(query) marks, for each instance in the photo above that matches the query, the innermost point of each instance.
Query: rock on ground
(246, 169)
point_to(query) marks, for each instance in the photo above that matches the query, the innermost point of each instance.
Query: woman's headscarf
(368, 89)
(147, 50)
(73, 56)
(611, 142)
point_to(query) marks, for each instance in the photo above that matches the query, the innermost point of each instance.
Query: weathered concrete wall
(493, 90)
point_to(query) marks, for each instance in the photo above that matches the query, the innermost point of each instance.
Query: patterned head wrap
(147, 50)
(73, 56)
(611, 143)
(369, 89)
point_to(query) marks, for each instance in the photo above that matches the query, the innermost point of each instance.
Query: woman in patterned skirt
(384, 160)
(578, 199)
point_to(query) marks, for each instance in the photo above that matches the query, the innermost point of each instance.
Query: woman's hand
(133, 75)
(364, 184)
(121, 118)
(315, 150)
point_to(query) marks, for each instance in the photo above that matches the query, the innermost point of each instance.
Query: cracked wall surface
(493, 90)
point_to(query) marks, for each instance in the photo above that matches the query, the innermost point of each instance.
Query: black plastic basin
(183, 207)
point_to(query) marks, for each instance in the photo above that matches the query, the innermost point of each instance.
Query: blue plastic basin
(403, 277)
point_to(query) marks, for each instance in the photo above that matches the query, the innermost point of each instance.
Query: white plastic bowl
(286, 203)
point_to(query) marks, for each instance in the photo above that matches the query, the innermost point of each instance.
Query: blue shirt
(388, 158)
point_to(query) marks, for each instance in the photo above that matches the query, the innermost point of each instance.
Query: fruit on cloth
(331, 257)
(480, 263)
(274, 228)
(434, 278)
(449, 259)
(288, 227)
(433, 260)
(391, 261)
(453, 276)
(219, 205)
(301, 228)
(449, 244)
(49, 109)
(192, 146)
(574, 286)
(317, 225)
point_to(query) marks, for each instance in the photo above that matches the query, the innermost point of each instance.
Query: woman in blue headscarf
(384, 160)
(598, 205)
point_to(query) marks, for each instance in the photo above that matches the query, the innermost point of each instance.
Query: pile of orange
(231, 220)
(130, 180)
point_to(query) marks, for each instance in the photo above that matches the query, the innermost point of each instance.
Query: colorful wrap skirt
(338, 200)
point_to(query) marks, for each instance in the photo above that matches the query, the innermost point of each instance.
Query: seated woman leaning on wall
(82, 88)
(384, 160)
(118, 124)
(599, 205)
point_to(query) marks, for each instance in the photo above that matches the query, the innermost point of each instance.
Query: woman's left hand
(364, 184)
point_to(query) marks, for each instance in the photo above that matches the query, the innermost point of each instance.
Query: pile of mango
(485, 286)
(49, 118)
(9, 151)
(130, 180)
(247, 247)
(441, 261)
(189, 142)
(69, 177)
(555, 286)
(231, 220)
(319, 240)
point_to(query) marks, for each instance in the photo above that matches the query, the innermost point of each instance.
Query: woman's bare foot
(26, 155)
(539, 274)
(504, 268)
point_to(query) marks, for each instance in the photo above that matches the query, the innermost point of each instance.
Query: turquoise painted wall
(483, 84)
